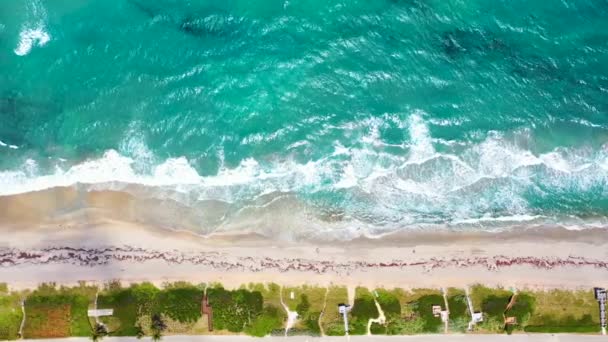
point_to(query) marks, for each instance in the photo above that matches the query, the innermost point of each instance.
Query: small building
(436, 310)
(477, 317)
(100, 312)
(511, 320)
(344, 309)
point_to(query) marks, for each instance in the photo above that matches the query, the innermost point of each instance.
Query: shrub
(233, 310)
(145, 296)
(10, 316)
(335, 328)
(521, 309)
(424, 308)
(377, 329)
(364, 308)
(125, 306)
(303, 307)
(269, 320)
(182, 304)
(311, 322)
(458, 306)
(406, 327)
(389, 303)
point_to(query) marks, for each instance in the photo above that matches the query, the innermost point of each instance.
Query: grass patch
(563, 311)
(521, 309)
(391, 306)
(126, 308)
(459, 311)
(415, 306)
(180, 302)
(308, 303)
(244, 310)
(424, 308)
(363, 309)
(331, 320)
(58, 312)
(493, 303)
(10, 314)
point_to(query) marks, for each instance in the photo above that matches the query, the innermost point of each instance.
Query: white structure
(101, 312)
(436, 310)
(602, 297)
(444, 316)
(344, 309)
(477, 317)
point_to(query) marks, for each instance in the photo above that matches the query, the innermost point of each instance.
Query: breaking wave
(33, 32)
(364, 189)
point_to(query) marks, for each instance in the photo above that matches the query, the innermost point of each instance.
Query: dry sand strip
(422, 338)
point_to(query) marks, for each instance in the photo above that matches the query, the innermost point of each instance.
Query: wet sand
(68, 235)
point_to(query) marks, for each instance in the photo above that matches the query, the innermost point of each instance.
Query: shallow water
(336, 118)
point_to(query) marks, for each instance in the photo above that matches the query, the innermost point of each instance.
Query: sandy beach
(66, 236)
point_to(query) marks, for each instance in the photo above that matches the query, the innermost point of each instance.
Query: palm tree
(157, 326)
(139, 332)
(99, 332)
(156, 336)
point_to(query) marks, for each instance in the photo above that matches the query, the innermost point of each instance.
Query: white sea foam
(488, 218)
(30, 37)
(33, 31)
(385, 190)
(421, 143)
(3, 144)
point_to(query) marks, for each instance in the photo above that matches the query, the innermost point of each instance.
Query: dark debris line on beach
(94, 257)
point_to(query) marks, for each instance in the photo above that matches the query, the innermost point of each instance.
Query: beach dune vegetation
(10, 314)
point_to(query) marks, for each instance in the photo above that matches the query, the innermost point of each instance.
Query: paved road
(425, 338)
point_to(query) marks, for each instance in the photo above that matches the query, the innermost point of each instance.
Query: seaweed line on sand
(103, 256)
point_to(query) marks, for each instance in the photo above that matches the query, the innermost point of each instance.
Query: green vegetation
(178, 305)
(58, 312)
(256, 310)
(244, 310)
(308, 303)
(270, 319)
(389, 302)
(10, 314)
(493, 303)
(331, 320)
(521, 309)
(363, 309)
(180, 302)
(424, 308)
(125, 306)
(459, 312)
(409, 312)
(560, 311)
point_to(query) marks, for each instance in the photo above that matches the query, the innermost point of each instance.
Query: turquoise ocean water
(315, 117)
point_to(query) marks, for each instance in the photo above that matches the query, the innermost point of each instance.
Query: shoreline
(70, 235)
(82, 204)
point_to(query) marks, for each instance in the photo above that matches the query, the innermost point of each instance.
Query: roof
(100, 312)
